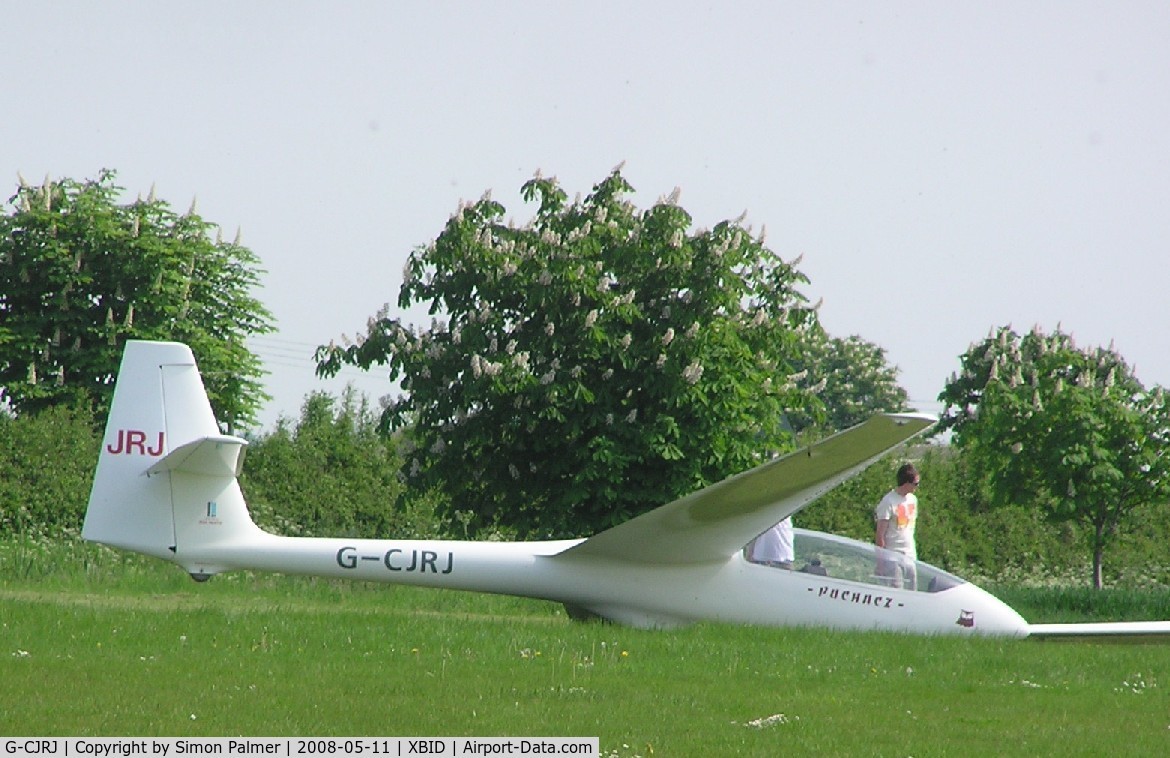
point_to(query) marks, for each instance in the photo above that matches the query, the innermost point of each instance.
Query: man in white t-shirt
(774, 547)
(894, 518)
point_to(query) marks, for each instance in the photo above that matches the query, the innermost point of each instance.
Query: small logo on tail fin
(212, 517)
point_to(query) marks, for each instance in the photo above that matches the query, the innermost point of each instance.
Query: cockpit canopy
(843, 558)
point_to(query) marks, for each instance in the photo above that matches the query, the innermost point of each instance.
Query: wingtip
(909, 416)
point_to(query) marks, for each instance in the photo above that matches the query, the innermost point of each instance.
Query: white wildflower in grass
(766, 721)
(1136, 685)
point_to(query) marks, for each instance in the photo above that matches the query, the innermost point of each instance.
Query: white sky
(943, 167)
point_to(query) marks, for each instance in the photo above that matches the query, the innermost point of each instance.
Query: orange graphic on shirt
(904, 514)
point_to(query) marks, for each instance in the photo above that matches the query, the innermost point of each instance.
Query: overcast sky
(943, 167)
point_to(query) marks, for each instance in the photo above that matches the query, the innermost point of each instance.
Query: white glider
(166, 486)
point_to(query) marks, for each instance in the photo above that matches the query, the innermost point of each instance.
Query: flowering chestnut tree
(858, 382)
(80, 274)
(1069, 429)
(599, 361)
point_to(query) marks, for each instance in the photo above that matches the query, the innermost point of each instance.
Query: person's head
(907, 475)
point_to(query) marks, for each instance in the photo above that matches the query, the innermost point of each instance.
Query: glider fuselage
(644, 595)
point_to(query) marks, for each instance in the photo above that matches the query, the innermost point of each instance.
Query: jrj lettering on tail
(131, 440)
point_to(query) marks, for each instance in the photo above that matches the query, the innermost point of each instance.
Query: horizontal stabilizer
(218, 455)
(1127, 631)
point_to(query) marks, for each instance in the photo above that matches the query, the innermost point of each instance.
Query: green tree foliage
(46, 469)
(597, 362)
(330, 474)
(80, 274)
(857, 379)
(1069, 429)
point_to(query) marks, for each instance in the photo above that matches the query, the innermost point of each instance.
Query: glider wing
(715, 522)
(1129, 631)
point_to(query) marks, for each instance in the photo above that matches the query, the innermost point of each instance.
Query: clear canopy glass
(843, 558)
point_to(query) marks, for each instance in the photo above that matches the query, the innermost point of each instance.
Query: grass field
(97, 644)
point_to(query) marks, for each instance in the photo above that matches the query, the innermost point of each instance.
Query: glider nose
(982, 613)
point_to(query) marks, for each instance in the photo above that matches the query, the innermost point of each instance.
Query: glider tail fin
(165, 483)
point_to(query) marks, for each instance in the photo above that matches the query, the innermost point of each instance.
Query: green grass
(92, 643)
